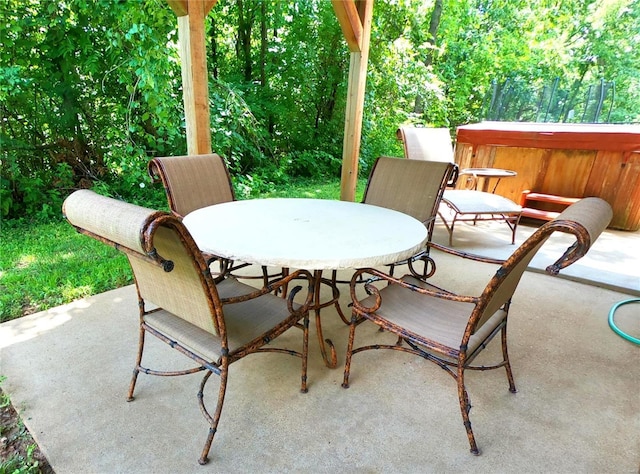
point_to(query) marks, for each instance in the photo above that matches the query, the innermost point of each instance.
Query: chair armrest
(377, 275)
(586, 220)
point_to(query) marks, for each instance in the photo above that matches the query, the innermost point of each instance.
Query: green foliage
(91, 89)
(40, 192)
(236, 133)
(313, 188)
(296, 167)
(263, 181)
(21, 464)
(313, 163)
(533, 43)
(295, 85)
(78, 95)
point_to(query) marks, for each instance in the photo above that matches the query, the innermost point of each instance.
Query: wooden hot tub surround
(564, 160)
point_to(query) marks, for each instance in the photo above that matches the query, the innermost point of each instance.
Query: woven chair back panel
(411, 187)
(111, 219)
(197, 181)
(180, 291)
(428, 144)
(498, 293)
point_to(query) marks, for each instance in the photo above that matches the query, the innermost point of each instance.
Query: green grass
(329, 189)
(43, 265)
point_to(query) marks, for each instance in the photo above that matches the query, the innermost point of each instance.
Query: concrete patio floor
(577, 408)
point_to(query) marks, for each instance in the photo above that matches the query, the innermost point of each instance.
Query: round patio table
(310, 234)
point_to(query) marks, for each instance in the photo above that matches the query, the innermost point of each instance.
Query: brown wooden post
(355, 21)
(195, 86)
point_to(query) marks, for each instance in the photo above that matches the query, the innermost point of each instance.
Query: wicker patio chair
(412, 187)
(212, 323)
(434, 144)
(196, 181)
(451, 330)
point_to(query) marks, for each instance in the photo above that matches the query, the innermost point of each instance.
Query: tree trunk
(432, 39)
(434, 24)
(575, 88)
(263, 44)
(243, 46)
(214, 49)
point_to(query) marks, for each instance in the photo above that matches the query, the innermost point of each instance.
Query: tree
(81, 101)
(90, 89)
(431, 44)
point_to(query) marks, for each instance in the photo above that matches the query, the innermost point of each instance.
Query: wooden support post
(352, 128)
(358, 40)
(194, 73)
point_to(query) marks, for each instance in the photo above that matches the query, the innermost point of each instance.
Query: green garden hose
(615, 328)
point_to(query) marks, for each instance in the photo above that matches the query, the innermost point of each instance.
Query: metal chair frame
(181, 303)
(450, 330)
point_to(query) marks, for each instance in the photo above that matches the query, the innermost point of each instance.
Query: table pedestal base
(318, 304)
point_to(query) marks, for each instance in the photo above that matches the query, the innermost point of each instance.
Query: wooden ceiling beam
(208, 5)
(350, 22)
(181, 7)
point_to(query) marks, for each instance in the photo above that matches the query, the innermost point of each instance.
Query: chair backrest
(192, 182)
(412, 187)
(169, 270)
(586, 220)
(424, 143)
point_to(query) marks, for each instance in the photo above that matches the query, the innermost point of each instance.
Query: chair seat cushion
(197, 340)
(435, 323)
(479, 202)
(246, 322)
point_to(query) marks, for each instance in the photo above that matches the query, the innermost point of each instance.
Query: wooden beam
(355, 104)
(350, 22)
(208, 5)
(181, 7)
(195, 78)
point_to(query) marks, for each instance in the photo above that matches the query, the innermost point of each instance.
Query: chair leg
(453, 223)
(136, 370)
(347, 363)
(336, 294)
(505, 356)
(305, 353)
(213, 420)
(465, 407)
